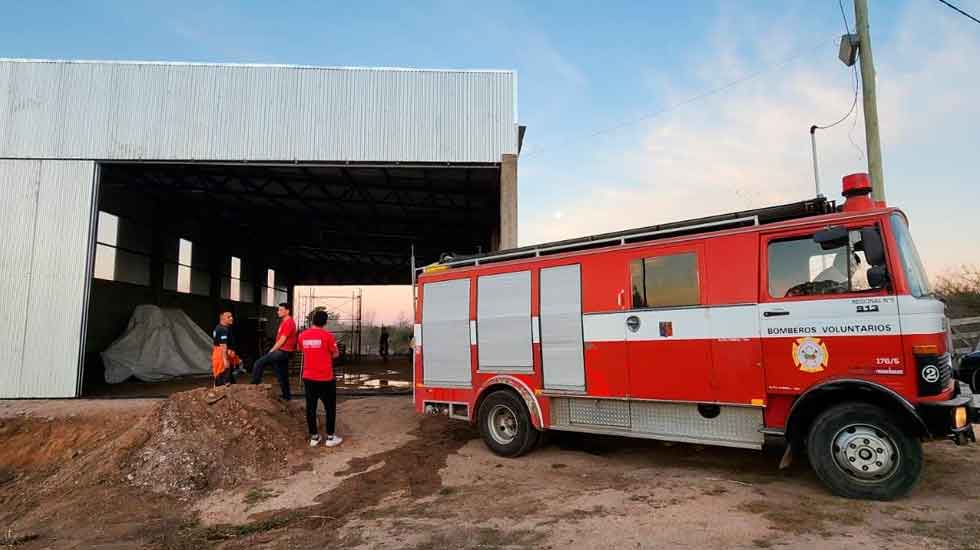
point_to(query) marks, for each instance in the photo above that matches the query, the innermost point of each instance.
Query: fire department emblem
(810, 354)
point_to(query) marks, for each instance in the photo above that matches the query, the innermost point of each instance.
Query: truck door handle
(633, 323)
(775, 313)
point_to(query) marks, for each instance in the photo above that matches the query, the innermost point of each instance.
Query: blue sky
(591, 73)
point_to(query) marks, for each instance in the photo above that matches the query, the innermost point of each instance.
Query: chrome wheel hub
(503, 424)
(865, 452)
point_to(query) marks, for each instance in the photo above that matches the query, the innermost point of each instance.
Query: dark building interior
(211, 237)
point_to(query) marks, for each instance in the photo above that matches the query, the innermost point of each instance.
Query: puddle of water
(353, 379)
(382, 383)
(369, 381)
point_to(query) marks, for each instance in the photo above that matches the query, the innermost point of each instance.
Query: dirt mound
(58, 473)
(207, 438)
(127, 468)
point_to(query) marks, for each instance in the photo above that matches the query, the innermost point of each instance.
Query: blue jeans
(280, 364)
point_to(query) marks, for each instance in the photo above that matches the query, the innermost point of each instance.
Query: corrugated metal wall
(132, 111)
(44, 242)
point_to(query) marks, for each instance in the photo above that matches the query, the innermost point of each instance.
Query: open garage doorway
(177, 244)
(374, 330)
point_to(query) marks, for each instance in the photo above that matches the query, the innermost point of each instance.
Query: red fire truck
(806, 323)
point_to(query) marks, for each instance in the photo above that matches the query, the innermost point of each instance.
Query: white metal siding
(44, 254)
(562, 357)
(170, 111)
(19, 189)
(503, 316)
(446, 327)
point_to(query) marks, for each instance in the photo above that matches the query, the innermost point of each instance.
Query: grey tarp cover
(159, 344)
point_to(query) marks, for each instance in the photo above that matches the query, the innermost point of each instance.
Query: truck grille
(945, 364)
(935, 372)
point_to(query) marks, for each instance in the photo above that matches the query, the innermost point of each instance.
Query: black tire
(515, 434)
(858, 451)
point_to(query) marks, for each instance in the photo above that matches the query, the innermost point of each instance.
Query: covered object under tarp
(159, 344)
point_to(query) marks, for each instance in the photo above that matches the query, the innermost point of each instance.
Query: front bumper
(940, 416)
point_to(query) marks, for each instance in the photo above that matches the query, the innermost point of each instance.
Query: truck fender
(522, 389)
(816, 399)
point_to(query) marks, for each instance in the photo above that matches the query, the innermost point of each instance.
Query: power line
(959, 10)
(857, 91)
(694, 98)
(847, 31)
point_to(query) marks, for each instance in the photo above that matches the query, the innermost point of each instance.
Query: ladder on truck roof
(745, 218)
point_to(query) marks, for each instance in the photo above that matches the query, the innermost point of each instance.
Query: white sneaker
(314, 440)
(333, 440)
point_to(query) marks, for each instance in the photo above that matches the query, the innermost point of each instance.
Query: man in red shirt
(278, 356)
(319, 350)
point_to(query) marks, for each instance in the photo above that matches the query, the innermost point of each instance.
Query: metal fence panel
(182, 111)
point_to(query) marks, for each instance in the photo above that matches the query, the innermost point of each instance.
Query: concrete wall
(508, 203)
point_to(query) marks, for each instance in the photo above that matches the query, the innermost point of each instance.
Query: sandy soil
(402, 481)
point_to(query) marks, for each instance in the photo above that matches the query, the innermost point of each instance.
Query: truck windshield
(914, 272)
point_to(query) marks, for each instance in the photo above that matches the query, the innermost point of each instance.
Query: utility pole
(871, 134)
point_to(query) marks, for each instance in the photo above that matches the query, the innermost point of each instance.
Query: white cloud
(546, 54)
(742, 150)
(749, 146)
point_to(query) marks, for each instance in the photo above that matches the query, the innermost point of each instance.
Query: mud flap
(787, 457)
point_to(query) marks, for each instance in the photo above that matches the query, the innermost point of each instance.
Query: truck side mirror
(874, 248)
(831, 238)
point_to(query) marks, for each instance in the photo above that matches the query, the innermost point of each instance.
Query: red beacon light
(857, 191)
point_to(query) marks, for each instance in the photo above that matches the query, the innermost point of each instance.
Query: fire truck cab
(808, 323)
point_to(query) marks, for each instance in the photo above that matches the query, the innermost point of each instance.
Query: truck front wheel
(506, 425)
(859, 452)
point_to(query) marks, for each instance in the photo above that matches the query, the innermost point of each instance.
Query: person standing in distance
(383, 344)
(278, 356)
(319, 349)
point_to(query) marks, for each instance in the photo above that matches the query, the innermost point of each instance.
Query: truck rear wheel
(859, 452)
(506, 425)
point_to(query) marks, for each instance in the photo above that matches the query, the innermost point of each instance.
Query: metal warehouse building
(207, 187)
